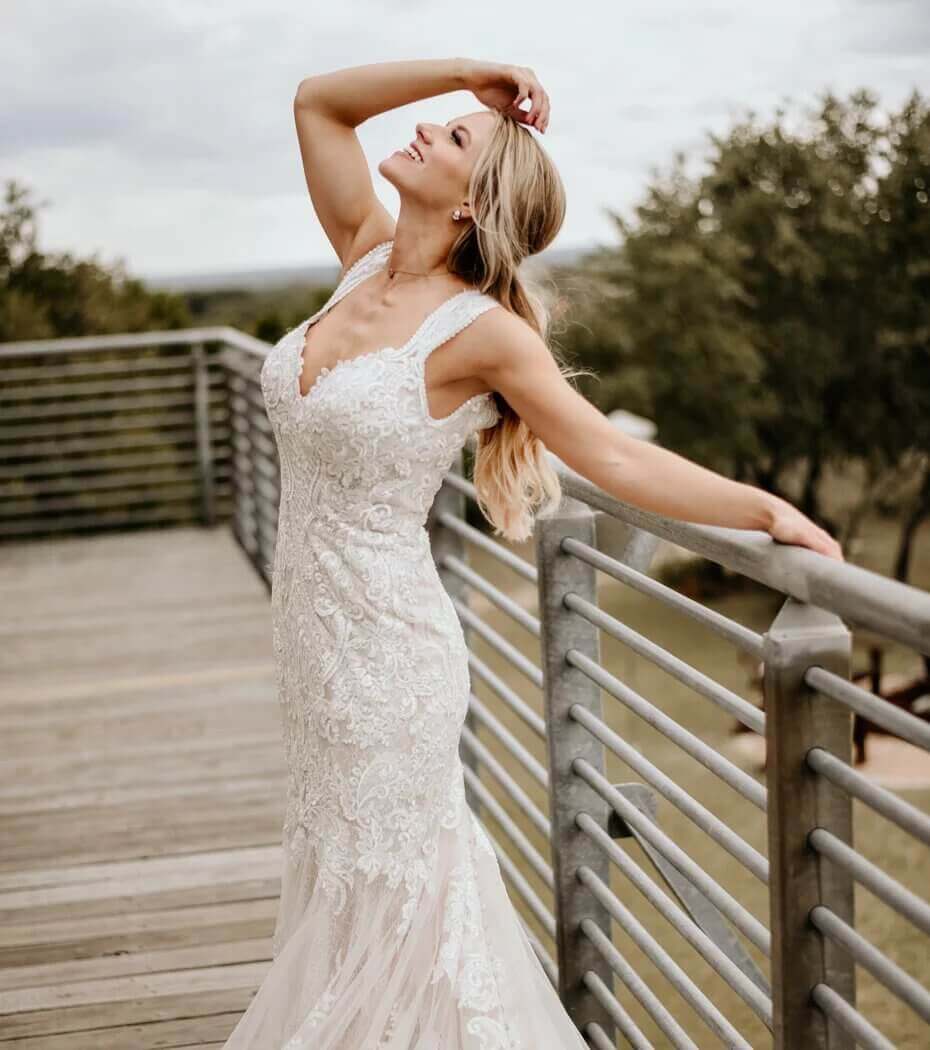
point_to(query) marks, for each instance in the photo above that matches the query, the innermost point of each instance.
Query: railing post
(797, 719)
(444, 542)
(202, 424)
(564, 685)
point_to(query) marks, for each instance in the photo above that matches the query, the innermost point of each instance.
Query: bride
(394, 928)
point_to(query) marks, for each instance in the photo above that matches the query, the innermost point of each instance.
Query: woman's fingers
(541, 119)
(527, 86)
(538, 116)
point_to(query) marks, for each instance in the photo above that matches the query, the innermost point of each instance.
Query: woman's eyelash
(454, 139)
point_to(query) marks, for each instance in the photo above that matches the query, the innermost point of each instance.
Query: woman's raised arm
(327, 109)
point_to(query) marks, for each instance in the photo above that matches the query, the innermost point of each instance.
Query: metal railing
(116, 431)
(809, 945)
(537, 768)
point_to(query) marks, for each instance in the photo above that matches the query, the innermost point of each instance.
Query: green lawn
(875, 838)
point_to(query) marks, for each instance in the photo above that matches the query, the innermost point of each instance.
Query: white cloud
(163, 133)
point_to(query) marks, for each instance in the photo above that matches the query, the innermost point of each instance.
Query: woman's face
(448, 152)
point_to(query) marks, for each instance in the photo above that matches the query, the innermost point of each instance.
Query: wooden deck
(141, 790)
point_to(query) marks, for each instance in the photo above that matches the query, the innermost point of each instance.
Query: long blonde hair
(517, 201)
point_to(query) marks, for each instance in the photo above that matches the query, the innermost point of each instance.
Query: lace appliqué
(467, 961)
(370, 658)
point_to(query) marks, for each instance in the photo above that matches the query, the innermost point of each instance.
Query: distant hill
(287, 276)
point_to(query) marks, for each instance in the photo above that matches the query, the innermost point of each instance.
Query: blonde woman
(394, 929)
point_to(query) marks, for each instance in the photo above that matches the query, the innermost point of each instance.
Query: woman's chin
(392, 162)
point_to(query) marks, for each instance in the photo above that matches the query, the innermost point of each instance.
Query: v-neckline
(326, 370)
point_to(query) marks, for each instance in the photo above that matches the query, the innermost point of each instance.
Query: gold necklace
(392, 271)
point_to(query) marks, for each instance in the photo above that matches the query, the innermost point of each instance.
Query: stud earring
(456, 215)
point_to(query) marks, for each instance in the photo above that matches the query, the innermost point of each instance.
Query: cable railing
(730, 916)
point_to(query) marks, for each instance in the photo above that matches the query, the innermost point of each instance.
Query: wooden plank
(133, 987)
(28, 979)
(157, 1035)
(101, 766)
(32, 944)
(141, 797)
(130, 892)
(216, 862)
(144, 1009)
(267, 778)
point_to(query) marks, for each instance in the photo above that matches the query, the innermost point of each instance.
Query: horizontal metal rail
(907, 817)
(64, 396)
(527, 850)
(730, 773)
(161, 438)
(548, 963)
(870, 958)
(680, 921)
(478, 539)
(892, 609)
(180, 337)
(907, 726)
(649, 1000)
(175, 490)
(498, 642)
(703, 684)
(511, 697)
(534, 814)
(662, 961)
(131, 364)
(494, 594)
(702, 817)
(742, 919)
(620, 1017)
(117, 459)
(164, 423)
(849, 1019)
(533, 901)
(503, 735)
(743, 638)
(878, 882)
(64, 412)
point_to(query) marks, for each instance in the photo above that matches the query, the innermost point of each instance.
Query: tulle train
(463, 976)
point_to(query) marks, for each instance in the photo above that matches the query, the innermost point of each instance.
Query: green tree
(46, 296)
(770, 315)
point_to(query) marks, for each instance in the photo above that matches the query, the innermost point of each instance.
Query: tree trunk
(919, 510)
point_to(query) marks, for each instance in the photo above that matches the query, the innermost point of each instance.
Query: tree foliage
(772, 315)
(50, 295)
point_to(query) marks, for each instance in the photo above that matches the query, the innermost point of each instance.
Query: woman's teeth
(410, 153)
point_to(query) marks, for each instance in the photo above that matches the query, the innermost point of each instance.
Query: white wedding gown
(394, 930)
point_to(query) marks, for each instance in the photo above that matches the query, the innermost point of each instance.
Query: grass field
(754, 606)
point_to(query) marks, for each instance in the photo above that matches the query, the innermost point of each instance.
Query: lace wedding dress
(394, 928)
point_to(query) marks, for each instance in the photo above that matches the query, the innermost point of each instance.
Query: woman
(394, 928)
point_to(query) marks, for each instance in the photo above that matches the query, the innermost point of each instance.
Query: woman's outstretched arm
(515, 361)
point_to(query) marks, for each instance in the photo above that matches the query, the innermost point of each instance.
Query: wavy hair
(518, 204)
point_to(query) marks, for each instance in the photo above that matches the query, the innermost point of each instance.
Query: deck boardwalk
(141, 790)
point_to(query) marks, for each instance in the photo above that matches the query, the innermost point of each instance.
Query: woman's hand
(504, 88)
(789, 525)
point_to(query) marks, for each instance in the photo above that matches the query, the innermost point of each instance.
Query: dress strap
(363, 267)
(448, 319)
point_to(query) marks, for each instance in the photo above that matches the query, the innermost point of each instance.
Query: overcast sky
(162, 132)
